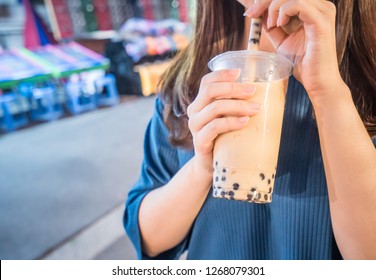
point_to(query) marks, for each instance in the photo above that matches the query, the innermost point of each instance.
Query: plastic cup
(245, 160)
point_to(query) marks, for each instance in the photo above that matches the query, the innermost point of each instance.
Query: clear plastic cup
(245, 161)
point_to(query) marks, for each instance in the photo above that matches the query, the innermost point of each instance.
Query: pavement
(104, 239)
(63, 184)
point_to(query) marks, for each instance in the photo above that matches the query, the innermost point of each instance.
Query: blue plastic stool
(11, 121)
(43, 101)
(44, 104)
(107, 91)
(77, 101)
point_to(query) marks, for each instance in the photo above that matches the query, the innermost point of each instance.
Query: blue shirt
(296, 225)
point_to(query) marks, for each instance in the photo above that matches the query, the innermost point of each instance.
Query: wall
(11, 24)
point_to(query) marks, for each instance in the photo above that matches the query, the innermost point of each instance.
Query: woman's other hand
(312, 46)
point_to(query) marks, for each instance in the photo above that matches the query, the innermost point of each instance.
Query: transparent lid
(254, 65)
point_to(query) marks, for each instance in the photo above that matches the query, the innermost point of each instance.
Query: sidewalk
(105, 239)
(63, 184)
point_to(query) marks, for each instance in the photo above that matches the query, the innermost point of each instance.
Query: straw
(255, 34)
(253, 44)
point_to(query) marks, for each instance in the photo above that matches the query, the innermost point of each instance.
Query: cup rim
(254, 53)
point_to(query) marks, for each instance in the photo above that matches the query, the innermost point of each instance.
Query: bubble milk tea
(245, 160)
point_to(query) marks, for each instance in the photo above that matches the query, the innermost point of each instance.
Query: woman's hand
(312, 47)
(222, 105)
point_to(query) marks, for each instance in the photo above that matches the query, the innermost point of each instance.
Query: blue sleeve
(159, 165)
(374, 141)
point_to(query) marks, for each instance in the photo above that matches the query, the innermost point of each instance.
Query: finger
(257, 9)
(219, 90)
(219, 108)
(223, 75)
(275, 35)
(216, 127)
(273, 12)
(229, 75)
(228, 90)
(292, 26)
(309, 12)
(321, 5)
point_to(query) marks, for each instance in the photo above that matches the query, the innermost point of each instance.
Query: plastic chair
(13, 115)
(77, 101)
(44, 104)
(107, 93)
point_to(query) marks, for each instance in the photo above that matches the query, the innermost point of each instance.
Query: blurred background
(77, 88)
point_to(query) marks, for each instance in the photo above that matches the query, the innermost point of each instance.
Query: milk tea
(245, 161)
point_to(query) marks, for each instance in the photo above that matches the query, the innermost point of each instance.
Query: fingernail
(269, 22)
(243, 119)
(248, 88)
(248, 11)
(279, 22)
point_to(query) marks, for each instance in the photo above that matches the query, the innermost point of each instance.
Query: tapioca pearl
(253, 189)
(273, 176)
(223, 193)
(258, 196)
(266, 197)
(235, 186)
(231, 193)
(224, 170)
(269, 181)
(223, 178)
(216, 178)
(249, 197)
(270, 190)
(216, 163)
(215, 193)
(262, 176)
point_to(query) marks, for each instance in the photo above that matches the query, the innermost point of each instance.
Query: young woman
(324, 200)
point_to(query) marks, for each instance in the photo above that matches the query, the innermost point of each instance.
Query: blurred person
(325, 191)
